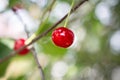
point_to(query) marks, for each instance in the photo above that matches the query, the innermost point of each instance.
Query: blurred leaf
(4, 51)
(67, 1)
(44, 26)
(3, 67)
(13, 2)
(18, 78)
(47, 71)
(51, 49)
(92, 24)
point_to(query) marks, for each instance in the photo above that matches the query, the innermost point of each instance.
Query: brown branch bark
(33, 50)
(43, 34)
(38, 64)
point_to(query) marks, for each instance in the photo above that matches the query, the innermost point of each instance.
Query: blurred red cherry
(18, 44)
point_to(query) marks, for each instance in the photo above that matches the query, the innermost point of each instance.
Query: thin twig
(25, 27)
(27, 32)
(33, 50)
(44, 20)
(41, 35)
(38, 64)
(48, 9)
(35, 57)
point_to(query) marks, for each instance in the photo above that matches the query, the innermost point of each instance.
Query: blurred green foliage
(103, 59)
(4, 51)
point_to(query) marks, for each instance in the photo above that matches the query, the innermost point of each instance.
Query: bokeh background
(94, 55)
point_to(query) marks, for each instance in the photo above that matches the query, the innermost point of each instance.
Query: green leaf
(18, 78)
(13, 2)
(49, 48)
(4, 51)
(3, 67)
(44, 26)
(68, 1)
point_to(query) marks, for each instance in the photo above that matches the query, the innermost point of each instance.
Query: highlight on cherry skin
(18, 44)
(62, 37)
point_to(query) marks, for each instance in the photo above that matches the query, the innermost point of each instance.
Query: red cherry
(18, 44)
(62, 37)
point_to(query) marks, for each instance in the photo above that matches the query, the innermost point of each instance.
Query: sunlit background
(94, 54)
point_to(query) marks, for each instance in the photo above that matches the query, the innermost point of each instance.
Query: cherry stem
(13, 53)
(66, 22)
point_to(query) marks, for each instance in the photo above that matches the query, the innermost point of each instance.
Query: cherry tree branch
(13, 53)
(38, 64)
(49, 8)
(33, 50)
(46, 13)
(35, 57)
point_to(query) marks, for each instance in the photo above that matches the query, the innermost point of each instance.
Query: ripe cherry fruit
(63, 37)
(18, 44)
